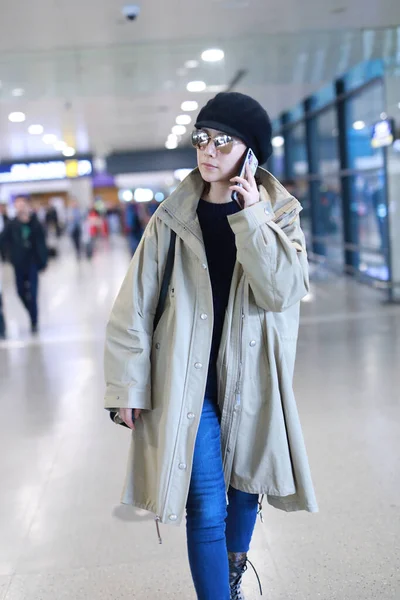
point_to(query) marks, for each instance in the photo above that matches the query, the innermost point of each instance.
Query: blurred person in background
(3, 223)
(52, 220)
(92, 228)
(133, 226)
(2, 319)
(208, 392)
(40, 212)
(75, 221)
(23, 239)
(4, 220)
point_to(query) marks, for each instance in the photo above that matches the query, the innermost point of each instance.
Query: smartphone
(250, 159)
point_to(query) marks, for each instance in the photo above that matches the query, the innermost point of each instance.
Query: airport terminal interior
(97, 104)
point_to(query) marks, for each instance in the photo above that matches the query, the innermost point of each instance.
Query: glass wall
(366, 183)
(326, 156)
(328, 239)
(296, 163)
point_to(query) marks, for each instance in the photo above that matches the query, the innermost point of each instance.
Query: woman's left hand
(248, 189)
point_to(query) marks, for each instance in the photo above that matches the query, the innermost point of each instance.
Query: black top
(219, 241)
(25, 243)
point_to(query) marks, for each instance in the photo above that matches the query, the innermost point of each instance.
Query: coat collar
(179, 211)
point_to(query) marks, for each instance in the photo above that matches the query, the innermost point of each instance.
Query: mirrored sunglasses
(223, 143)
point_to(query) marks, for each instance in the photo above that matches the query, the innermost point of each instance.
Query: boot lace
(236, 589)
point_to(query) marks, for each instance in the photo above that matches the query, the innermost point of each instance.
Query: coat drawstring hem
(157, 521)
(260, 508)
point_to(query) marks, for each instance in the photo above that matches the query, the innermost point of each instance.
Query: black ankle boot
(237, 568)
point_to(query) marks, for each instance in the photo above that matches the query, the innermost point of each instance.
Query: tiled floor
(63, 534)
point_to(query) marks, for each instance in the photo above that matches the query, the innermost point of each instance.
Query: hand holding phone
(249, 162)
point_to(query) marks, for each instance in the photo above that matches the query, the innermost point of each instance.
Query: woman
(215, 420)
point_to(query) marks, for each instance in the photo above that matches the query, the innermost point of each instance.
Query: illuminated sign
(383, 133)
(44, 171)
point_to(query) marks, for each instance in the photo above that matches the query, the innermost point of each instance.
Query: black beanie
(241, 116)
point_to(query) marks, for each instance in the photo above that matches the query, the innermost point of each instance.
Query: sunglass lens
(224, 144)
(200, 139)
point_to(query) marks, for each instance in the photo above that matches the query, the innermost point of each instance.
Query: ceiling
(50, 24)
(104, 85)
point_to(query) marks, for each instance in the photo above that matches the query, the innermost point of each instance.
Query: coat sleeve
(273, 256)
(130, 330)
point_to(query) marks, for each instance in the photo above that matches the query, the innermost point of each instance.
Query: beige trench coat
(165, 371)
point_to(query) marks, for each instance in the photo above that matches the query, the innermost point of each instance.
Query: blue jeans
(213, 528)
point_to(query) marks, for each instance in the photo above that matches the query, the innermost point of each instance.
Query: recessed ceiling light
(17, 92)
(60, 145)
(191, 105)
(35, 129)
(16, 117)
(278, 141)
(183, 120)
(171, 144)
(179, 130)
(68, 151)
(49, 138)
(196, 86)
(191, 64)
(216, 89)
(213, 55)
(383, 116)
(358, 125)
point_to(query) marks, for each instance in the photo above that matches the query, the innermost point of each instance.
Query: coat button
(198, 366)
(203, 316)
(182, 466)
(190, 416)
(158, 345)
(172, 517)
(253, 343)
(204, 266)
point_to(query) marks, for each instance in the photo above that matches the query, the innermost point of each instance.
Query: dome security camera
(131, 12)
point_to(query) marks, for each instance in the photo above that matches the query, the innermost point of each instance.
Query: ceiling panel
(104, 85)
(49, 24)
